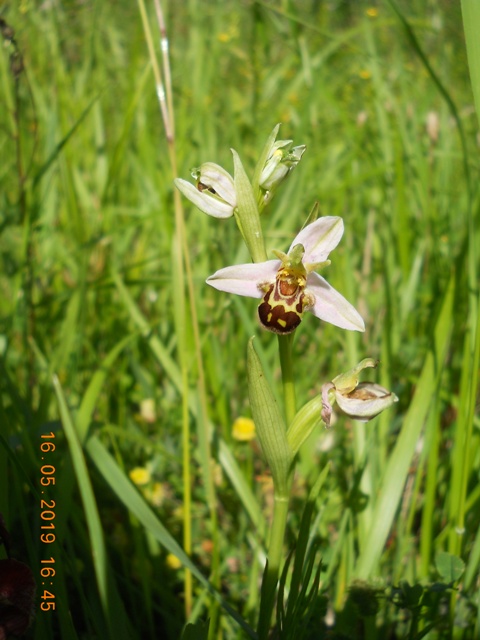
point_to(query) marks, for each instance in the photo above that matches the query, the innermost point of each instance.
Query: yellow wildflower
(140, 476)
(243, 429)
(173, 562)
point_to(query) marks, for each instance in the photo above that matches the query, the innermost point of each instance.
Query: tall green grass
(99, 312)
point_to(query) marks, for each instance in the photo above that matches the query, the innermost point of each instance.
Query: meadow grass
(110, 339)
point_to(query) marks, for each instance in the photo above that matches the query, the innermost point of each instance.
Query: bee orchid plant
(287, 287)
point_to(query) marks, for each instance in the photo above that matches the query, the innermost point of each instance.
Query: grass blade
(132, 500)
(399, 461)
(117, 623)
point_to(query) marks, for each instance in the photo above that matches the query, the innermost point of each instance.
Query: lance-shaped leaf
(269, 422)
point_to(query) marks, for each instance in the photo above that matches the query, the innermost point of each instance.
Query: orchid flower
(214, 192)
(360, 400)
(289, 285)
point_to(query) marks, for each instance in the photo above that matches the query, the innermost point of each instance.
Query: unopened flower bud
(280, 161)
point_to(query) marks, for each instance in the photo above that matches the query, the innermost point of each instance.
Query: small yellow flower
(140, 476)
(372, 12)
(173, 562)
(243, 429)
(365, 74)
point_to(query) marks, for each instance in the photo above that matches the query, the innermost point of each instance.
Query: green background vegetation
(92, 309)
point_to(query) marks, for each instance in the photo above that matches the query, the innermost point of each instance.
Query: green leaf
(449, 567)
(412, 594)
(304, 535)
(396, 471)
(471, 25)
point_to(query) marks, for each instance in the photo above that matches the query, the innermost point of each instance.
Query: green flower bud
(279, 163)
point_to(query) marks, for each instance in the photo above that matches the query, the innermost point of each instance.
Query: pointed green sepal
(246, 214)
(263, 159)
(347, 382)
(269, 422)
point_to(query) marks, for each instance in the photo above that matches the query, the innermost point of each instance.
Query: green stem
(280, 509)
(286, 362)
(272, 569)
